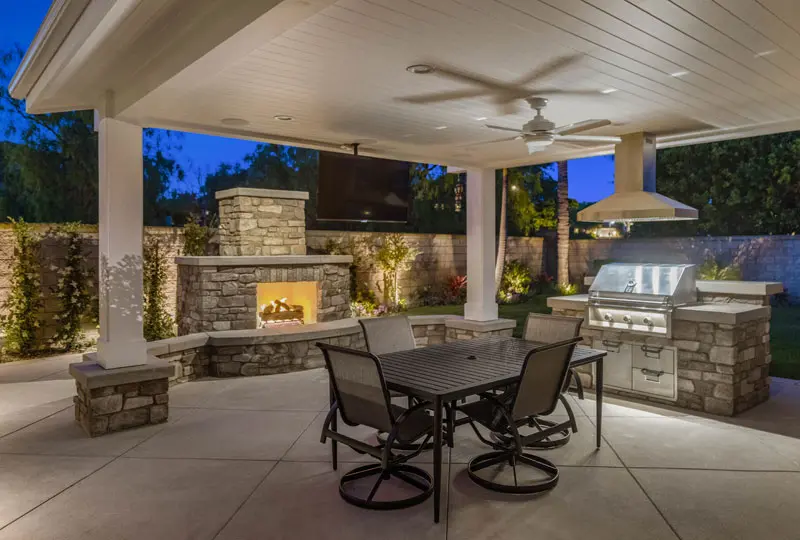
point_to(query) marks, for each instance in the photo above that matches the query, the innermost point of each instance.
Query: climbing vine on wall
(21, 322)
(157, 322)
(72, 289)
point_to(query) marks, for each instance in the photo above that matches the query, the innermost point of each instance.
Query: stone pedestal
(111, 400)
(262, 222)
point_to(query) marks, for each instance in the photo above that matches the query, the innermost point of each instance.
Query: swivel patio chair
(361, 398)
(541, 381)
(385, 335)
(544, 328)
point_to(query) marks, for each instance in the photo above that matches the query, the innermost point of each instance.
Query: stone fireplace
(263, 279)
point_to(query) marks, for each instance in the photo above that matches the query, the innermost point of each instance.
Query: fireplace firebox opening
(286, 303)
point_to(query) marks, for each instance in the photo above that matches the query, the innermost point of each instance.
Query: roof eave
(58, 22)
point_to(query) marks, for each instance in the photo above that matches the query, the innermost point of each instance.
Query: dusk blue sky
(590, 179)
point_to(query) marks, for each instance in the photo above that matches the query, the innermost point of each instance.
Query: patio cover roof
(687, 70)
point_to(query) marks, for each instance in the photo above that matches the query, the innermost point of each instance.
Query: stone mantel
(264, 193)
(265, 260)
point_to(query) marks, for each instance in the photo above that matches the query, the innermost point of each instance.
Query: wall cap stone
(420, 320)
(480, 326)
(718, 313)
(91, 374)
(729, 313)
(285, 334)
(265, 193)
(575, 302)
(265, 260)
(740, 288)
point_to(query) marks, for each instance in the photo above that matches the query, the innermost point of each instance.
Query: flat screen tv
(360, 188)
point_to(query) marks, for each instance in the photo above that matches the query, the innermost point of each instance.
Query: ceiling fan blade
(481, 143)
(577, 127)
(501, 128)
(546, 92)
(442, 96)
(599, 139)
(549, 68)
(471, 78)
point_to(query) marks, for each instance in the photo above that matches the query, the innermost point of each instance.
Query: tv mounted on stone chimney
(360, 188)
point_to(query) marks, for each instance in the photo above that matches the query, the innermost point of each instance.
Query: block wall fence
(762, 258)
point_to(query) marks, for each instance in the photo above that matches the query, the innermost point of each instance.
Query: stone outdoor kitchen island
(716, 359)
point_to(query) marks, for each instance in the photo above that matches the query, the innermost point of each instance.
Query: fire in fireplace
(286, 303)
(280, 312)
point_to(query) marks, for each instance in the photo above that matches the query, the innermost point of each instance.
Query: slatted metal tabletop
(459, 369)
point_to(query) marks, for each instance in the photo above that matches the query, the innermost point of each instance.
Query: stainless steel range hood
(635, 197)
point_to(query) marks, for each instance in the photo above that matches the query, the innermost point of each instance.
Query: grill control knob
(648, 321)
(627, 319)
(608, 317)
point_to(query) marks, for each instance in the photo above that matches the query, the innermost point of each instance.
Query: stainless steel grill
(640, 298)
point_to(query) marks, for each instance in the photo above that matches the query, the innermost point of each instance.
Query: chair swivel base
(484, 461)
(413, 476)
(557, 440)
(381, 436)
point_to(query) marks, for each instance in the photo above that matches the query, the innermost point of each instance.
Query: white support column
(481, 299)
(121, 342)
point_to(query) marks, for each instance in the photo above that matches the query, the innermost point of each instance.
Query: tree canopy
(744, 186)
(49, 171)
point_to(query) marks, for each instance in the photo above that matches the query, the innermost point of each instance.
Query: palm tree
(501, 241)
(562, 230)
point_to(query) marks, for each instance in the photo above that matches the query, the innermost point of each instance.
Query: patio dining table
(449, 372)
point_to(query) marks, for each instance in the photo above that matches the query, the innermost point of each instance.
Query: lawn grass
(784, 330)
(518, 312)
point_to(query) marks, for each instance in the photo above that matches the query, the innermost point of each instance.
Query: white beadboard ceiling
(339, 69)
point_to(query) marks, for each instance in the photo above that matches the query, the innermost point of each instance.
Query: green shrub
(157, 322)
(195, 237)
(713, 270)
(516, 282)
(72, 290)
(567, 290)
(393, 256)
(21, 322)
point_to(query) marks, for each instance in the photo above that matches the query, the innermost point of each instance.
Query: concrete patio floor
(241, 459)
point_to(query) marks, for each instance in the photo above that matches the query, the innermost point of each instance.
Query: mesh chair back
(388, 334)
(551, 328)
(359, 387)
(542, 378)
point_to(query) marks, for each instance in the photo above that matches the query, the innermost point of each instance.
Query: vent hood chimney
(635, 197)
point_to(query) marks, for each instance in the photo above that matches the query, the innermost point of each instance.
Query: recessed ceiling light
(608, 91)
(420, 69)
(440, 127)
(679, 73)
(481, 118)
(283, 117)
(765, 53)
(234, 122)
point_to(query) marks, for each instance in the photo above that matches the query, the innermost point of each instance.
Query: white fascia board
(57, 24)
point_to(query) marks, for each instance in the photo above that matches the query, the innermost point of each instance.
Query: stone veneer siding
(262, 222)
(123, 406)
(224, 297)
(249, 353)
(721, 368)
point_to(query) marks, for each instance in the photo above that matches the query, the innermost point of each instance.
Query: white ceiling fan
(503, 94)
(540, 132)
